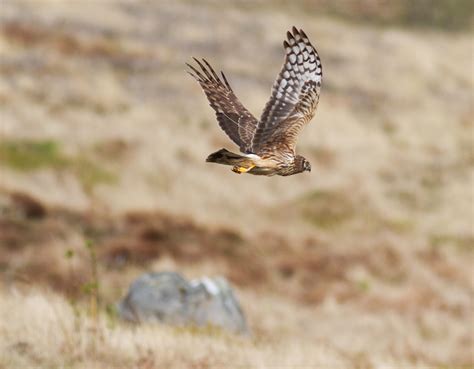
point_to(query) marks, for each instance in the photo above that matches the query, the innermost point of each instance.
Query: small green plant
(90, 288)
(69, 254)
(363, 285)
(111, 314)
(89, 291)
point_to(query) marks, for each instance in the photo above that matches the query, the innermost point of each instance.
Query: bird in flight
(268, 144)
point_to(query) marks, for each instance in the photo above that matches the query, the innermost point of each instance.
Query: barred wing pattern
(294, 98)
(233, 117)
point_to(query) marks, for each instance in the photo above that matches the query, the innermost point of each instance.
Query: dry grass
(44, 330)
(365, 263)
(74, 341)
(387, 122)
(370, 305)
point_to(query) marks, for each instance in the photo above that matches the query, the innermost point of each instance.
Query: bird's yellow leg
(240, 170)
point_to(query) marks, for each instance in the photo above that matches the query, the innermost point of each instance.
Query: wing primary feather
(206, 72)
(198, 74)
(192, 75)
(216, 77)
(226, 82)
(233, 117)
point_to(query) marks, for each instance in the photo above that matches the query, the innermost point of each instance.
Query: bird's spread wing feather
(233, 117)
(294, 98)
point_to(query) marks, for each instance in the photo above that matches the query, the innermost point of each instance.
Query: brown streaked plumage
(268, 145)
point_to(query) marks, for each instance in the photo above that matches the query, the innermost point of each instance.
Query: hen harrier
(268, 145)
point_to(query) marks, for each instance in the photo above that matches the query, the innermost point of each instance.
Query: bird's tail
(226, 157)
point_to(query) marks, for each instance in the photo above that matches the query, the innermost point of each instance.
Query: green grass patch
(28, 155)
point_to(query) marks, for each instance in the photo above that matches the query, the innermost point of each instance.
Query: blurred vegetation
(451, 15)
(461, 243)
(437, 14)
(90, 174)
(334, 209)
(326, 209)
(28, 155)
(444, 14)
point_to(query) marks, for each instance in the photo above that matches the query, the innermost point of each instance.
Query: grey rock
(169, 298)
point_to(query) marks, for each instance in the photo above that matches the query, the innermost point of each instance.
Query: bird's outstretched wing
(233, 117)
(294, 98)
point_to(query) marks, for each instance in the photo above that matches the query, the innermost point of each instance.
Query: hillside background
(363, 263)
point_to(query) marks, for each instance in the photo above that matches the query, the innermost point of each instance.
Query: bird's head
(302, 165)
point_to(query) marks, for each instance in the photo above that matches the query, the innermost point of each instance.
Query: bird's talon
(241, 170)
